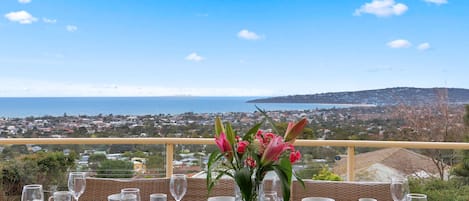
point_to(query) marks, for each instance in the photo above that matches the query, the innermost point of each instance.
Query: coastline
(324, 104)
(74, 106)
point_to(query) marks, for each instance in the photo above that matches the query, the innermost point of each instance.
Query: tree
(115, 169)
(155, 164)
(462, 168)
(95, 160)
(435, 122)
(42, 168)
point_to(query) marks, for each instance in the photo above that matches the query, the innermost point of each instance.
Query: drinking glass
(61, 196)
(130, 194)
(158, 197)
(269, 196)
(178, 186)
(76, 184)
(114, 197)
(416, 197)
(32, 192)
(399, 188)
(221, 198)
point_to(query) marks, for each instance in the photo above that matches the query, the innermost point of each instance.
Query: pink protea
(250, 162)
(294, 156)
(268, 137)
(242, 145)
(259, 143)
(274, 149)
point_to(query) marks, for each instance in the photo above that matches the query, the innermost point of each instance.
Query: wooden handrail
(302, 143)
(170, 142)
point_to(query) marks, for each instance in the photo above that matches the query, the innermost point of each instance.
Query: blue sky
(229, 48)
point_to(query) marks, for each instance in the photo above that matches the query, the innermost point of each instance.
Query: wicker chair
(197, 189)
(341, 191)
(97, 189)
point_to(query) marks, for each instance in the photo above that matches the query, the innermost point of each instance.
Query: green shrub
(46, 168)
(437, 189)
(310, 170)
(326, 174)
(115, 169)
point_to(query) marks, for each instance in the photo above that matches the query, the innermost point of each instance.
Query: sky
(229, 47)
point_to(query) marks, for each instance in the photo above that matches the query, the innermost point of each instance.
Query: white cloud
(424, 46)
(399, 43)
(49, 21)
(71, 28)
(24, 1)
(21, 17)
(248, 35)
(438, 2)
(194, 57)
(382, 8)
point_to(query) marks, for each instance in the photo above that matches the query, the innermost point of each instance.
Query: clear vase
(271, 183)
(255, 196)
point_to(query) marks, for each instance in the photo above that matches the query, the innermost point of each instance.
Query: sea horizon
(20, 107)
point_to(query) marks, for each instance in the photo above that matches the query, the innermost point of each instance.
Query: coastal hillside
(380, 97)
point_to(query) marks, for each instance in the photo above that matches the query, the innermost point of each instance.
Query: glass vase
(255, 193)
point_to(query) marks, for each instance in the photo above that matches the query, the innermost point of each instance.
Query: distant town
(438, 121)
(361, 123)
(180, 125)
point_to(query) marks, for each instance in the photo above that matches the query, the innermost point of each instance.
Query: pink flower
(260, 136)
(223, 144)
(274, 149)
(293, 130)
(294, 156)
(250, 162)
(242, 145)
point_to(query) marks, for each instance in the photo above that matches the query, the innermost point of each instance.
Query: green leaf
(299, 179)
(284, 172)
(230, 135)
(270, 120)
(214, 181)
(214, 156)
(252, 131)
(243, 179)
(218, 127)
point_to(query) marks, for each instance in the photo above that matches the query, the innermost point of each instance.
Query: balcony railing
(170, 142)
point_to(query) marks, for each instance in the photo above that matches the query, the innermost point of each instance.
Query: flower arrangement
(248, 158)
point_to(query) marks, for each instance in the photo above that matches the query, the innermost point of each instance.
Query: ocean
(25, 107)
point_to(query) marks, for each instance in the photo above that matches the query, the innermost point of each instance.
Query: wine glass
(399, 188)
(130, 194)
(178, 186)
(32, 192)
(416, 197)
(76, 184)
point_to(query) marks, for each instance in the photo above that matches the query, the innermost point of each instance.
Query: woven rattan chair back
(341, 191)
(97, 189)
